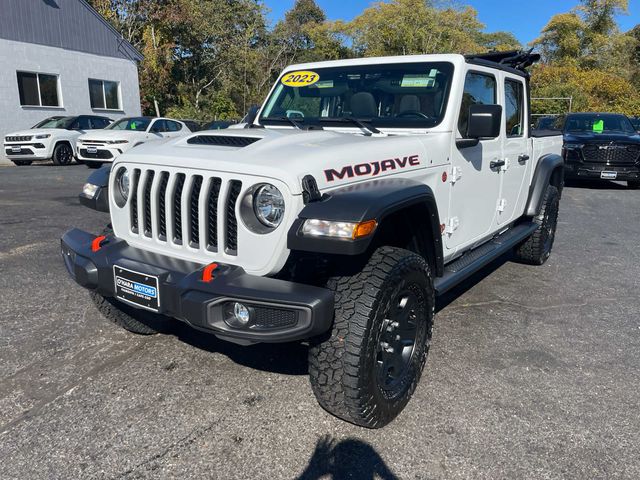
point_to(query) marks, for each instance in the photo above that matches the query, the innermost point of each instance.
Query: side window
(514, 107)
(81, 123)
(479, 88)
(173, 126)
(158, 126)
(97, 123)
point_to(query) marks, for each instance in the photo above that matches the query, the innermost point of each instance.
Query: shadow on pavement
(284, 358)
(291, 358)
(595, 184)
(350, 458)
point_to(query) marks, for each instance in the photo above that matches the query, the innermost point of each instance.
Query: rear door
(475, 186)
(516, 149)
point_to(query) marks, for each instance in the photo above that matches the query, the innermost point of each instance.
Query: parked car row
(105, 145)
(93, 139)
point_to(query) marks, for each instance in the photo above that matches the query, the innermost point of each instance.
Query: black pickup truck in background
(601, 145)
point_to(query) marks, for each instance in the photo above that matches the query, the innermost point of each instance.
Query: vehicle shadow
(449, 297)
(283, 358)
(291, 358)
(350, 458)
(595, 184)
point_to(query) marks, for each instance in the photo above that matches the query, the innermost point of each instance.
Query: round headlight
(123, 183)
(268, 205)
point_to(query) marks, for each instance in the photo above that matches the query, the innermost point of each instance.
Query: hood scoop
(222, 140)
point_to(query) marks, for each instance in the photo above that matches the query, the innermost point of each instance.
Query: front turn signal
(364, 229)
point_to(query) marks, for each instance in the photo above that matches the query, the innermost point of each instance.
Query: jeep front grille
(21, 138)
(182, 209)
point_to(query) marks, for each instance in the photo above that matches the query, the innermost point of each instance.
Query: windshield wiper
(370, 129)
(286, 119)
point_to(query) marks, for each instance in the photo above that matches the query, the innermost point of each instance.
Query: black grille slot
(148, 230)
(274, 318)
(23, 151)
(194, 232)
(134, 200)
(613, 154)
(177, 208)
(212, 213)
(18, 139)
(98, 154)
(162, 212)
(232, 221)
(222, 140)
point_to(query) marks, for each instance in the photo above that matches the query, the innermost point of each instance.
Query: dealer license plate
(92, 150)
(16, 149)
(137, 288)
(609, 175)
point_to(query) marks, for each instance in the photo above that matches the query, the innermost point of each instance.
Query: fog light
(237, 315)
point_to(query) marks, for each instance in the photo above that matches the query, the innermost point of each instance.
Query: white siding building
(60, 57)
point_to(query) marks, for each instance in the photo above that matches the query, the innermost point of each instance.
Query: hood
(589, 137)
(112, 135)
(333, 158)
(33, 131)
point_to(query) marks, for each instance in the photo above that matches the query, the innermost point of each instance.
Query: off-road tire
(21, 163)
(91, 164)
(633, 184)
(130, 318)
(344, 365)
(62, 154)
(537, 248)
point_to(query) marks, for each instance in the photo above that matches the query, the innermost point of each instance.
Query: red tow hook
(97, 243)
(207, 272)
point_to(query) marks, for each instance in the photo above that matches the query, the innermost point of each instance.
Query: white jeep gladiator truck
(360, 191)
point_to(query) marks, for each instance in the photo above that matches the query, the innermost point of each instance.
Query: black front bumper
(594, 170)
(185, 296)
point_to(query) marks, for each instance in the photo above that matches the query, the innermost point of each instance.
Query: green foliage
(206, 59)
(590, 60)
(405, 27)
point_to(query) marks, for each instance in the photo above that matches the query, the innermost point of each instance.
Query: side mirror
(485, 121)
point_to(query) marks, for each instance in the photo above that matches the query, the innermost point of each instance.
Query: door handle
(523, 158)
(496, 164)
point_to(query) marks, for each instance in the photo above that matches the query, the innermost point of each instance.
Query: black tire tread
(532, 251)
(130, 318)
(334, 364)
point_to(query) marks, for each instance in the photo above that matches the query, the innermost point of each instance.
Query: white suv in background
(96, 148)
(53, 138)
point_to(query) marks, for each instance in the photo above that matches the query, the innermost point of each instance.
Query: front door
(475, 186)
(516, 147)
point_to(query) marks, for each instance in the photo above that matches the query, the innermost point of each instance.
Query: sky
(524, 19)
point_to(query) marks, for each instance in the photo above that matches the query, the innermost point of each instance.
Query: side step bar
(474, 260)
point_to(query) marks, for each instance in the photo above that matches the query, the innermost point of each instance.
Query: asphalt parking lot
(534, 371)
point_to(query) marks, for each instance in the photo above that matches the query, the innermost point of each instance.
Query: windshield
(598, 123)
(55, 122)
(409, 95)
(635, 121)
(138, 124)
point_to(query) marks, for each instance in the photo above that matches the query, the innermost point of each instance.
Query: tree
(403, 27)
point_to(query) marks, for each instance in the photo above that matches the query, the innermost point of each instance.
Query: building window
(38, 89)
(104, 95)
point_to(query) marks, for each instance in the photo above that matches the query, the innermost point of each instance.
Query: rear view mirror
(484, 121)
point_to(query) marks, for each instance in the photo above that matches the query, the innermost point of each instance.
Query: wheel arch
(397, 205)
(549, 171)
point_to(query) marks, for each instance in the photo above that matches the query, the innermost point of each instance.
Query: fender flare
(100, 200)
(550, 170)
(374, 200)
